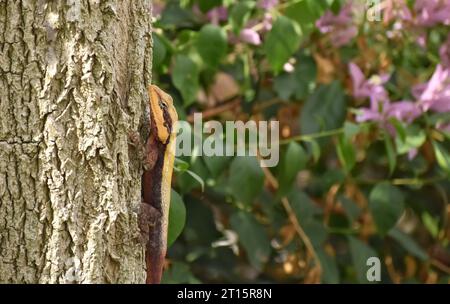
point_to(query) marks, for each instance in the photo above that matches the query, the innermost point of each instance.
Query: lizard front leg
(147, 153)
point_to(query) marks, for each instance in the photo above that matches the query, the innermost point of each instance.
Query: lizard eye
(162, 104)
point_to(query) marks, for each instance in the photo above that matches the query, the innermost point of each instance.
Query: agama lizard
(159, 155)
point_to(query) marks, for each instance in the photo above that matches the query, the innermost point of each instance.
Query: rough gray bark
(73, 77)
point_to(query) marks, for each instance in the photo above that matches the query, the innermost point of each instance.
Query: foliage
(364, 110)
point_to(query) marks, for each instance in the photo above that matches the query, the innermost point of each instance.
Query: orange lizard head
(163, 113)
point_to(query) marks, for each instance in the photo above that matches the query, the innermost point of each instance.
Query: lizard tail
(155, 263)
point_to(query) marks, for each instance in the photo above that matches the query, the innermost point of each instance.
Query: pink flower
(404, 111)
(431, 96)
(267, 4)
(340, 27)
(217, 14)
(344, 36)
(412, 153)
(250, 36)
(443, 127)
(432, 12)
(372, 88)
(435, 95)
(328, 22)
(267, 22)
(381, 109)
(396, 10)
(421, 40)
(368, 114)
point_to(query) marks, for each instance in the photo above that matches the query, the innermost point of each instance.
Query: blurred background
(362, 93)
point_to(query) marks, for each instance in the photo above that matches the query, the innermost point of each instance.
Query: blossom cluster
(433, 95)
(342, 27)
(251, 33)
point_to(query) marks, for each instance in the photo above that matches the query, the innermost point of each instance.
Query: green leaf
(324, 110)
(442, 156)
(159, 51)
(184, 40)
(211, 44)
(350, 207)
(314, 149)
(217, 164)
(175, 16)
(252, 237)
(281, 42)
(386, 203)
(188, 180)
(351, 129)
(285, 85)
(431, 223)
(345, 148)
(206, 5)
(330, 270)
(179, 273)
(408, 243)
(185, 78)
(197, 178)
(360, 253)
(294, 159)
(316, 232)
(239, 14)
(336, 5)
(246, 178)
(305, 13)
(180, 165)
(304, 208)
(391, 154)
(346, 153)
(415, 137)
(299, 83)
(330, 177)
(399, 128)
(177, 218)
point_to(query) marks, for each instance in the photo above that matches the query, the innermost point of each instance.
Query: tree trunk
(73, 78)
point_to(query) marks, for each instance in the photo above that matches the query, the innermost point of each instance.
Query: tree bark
(73, 78)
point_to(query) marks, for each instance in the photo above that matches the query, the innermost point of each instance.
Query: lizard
(158, 161)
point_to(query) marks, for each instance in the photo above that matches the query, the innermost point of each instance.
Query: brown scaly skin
(156, 181)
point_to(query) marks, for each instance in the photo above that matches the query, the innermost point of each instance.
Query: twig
(402, 181)
(268, 103)
(298, 228)
(440, 266)
(309, 137)
(216, 111)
